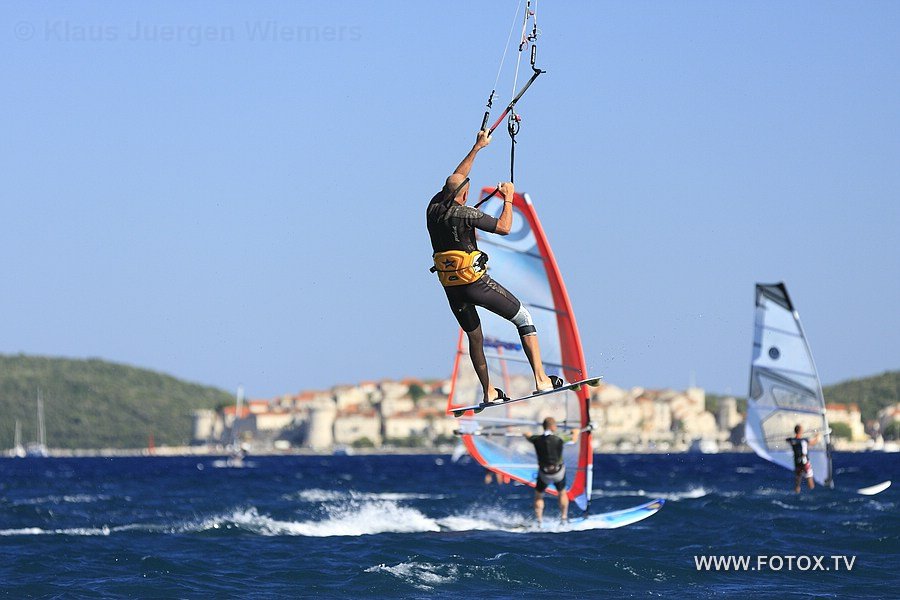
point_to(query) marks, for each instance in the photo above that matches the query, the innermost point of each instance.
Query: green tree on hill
(841, 430)
(98, 404)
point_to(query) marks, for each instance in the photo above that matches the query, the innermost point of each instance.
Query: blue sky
(236, 192)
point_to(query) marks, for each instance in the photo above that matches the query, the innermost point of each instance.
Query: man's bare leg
(810, 482)
(533, 352)
(796, 484)
(539, 505)
(563, 506)
(479, 362)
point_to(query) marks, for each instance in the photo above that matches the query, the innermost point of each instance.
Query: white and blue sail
(784, 386)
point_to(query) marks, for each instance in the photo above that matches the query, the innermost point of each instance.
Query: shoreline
(219, 452)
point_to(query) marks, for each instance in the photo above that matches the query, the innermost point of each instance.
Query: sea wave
(364, 519)
(63, 499)
(78, 531)
(421, 575)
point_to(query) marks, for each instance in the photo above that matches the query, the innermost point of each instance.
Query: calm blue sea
(424, 527)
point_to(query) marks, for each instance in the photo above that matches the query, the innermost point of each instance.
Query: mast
(238, 406)
(41, 431)
(18, 449)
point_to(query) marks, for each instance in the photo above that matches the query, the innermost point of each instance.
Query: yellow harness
(458, 267)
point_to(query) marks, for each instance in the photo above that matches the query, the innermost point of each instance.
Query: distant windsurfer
(802, 467)
(551, 468)
(461, 269)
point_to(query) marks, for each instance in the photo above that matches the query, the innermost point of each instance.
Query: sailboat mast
(238, 406)
(41, 432)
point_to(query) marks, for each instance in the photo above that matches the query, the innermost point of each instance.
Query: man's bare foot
(490, 396)
(547, 383)
(494, 395)
(543, 384)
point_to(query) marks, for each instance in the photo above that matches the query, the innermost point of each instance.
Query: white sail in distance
(784, 386)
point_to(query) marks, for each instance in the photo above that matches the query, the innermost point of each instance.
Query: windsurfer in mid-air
(551, 468)
(461, 269)
(802, 467)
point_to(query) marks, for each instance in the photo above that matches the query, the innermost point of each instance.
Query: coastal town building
(357, 427)
(727, 416)
(412, 413)
(849, 415)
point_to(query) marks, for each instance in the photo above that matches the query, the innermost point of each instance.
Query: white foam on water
(732, 494)
(369, 517)
(397, 496)
(319, 496)
(357, 518)
(787, 506)
(77, 531)
(745, 470)
(881, 506)
(316, 495)
(770, 491)
(491, 519)
(352, 519)
(421, 575)
(66, 499)
(25, 531)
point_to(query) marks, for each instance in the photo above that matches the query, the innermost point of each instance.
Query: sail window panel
(779, 426)
(794, 398)
(776, 317)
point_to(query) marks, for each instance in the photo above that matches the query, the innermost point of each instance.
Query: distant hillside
(870, 393)
(98, 404)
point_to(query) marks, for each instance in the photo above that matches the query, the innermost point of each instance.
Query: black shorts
(557, 478)
(485, 293)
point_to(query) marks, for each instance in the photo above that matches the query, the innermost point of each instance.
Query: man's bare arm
(504, 223)
(484, 138)
(575, 434)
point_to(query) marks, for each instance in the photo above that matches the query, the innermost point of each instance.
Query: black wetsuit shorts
(555, 474)
(485, 293)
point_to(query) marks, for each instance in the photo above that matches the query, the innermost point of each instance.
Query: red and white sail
(523, 263)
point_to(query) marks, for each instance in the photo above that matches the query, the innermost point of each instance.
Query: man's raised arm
(484, 138)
